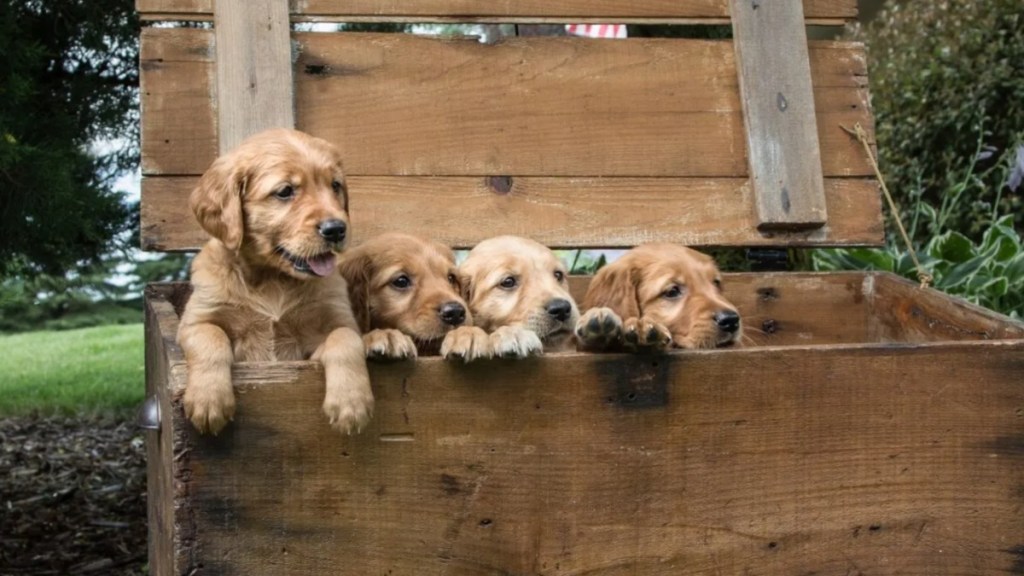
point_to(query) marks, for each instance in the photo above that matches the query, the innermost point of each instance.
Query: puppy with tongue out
(265, 287)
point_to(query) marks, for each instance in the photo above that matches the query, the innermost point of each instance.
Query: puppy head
(279, 201)
(513, 281)
(407, 283)
(673, 285)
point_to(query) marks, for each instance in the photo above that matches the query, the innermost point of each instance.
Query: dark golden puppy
(518, 291)
(265, 285)
(405, 294)
(658, 296)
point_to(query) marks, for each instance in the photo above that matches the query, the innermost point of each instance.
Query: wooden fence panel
(408, 105)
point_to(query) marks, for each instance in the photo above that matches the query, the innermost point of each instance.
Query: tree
(69, 80)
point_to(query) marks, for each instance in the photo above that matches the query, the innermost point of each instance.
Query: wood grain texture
(904, 312)
(558, 212)
(165, 531)
(777, 460)
(619, 10)
(254, 84)
(779, 115)
(406, 105)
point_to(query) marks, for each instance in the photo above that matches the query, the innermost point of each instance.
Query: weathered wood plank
(161, 329)
(559, 212)
(254, 84)
(179, 119)
(904, 312)
(777, 461)
(778, 111)
(618, 10)
(399, 104)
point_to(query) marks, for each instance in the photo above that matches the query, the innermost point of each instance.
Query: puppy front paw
(598, 329)
(466, 343)
(388, 344)
(209, 403)
(645, 334)
(349, 408)
(515, 342)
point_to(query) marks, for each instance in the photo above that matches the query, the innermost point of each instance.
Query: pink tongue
(322, 265)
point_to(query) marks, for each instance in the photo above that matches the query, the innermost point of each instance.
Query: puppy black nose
(452, 313)
(559, 309)
(727, 320)
(332, 230)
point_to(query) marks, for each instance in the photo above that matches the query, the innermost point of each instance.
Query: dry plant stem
(858, 131)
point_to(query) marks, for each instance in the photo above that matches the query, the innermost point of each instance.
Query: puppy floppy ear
(614, 287)
(465, 285)
(217, 201)
(356, 269)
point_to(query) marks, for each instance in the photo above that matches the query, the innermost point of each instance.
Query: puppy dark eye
(559, 275)
(453, 280)
(285, 193)
(673, 292)
(509, 282)
(718, 284)
(337, 186)
(402, 282)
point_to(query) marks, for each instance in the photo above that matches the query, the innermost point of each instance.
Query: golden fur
(517, 290)
(406, 296)
(265, 286)
(658, 295)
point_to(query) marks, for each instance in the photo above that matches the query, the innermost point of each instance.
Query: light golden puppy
(517, 290)
(658, 296)
(265, 285)
(406, 296)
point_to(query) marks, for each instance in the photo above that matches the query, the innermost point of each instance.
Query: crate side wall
(775, 460)
(902, 311)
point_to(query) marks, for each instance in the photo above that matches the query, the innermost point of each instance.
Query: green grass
(99, 370)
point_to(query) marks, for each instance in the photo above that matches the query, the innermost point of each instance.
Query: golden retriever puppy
(406, 296)
(658, 296)
(517, 291)
(265, 286)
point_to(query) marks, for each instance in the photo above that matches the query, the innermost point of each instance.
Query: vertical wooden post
(254, 69)
(778, 109)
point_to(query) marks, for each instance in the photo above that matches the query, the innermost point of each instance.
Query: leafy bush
(947, 85)
(989, 272)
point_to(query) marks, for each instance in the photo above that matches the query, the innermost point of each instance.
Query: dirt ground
(72, 497)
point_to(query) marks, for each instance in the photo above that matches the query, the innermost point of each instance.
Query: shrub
(988, 270)
(945, 76)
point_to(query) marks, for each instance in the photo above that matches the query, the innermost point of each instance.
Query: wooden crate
(872, 428)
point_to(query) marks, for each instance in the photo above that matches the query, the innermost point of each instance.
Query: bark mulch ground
(72, 497)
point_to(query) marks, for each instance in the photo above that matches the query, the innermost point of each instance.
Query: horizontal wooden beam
(558, 212)
(409, 105)
(619, 11)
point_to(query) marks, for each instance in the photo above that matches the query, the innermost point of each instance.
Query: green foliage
(989, 272)
(944, 77)
(69, 70)
(105, 292)
(583, 262)
(94, 370)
